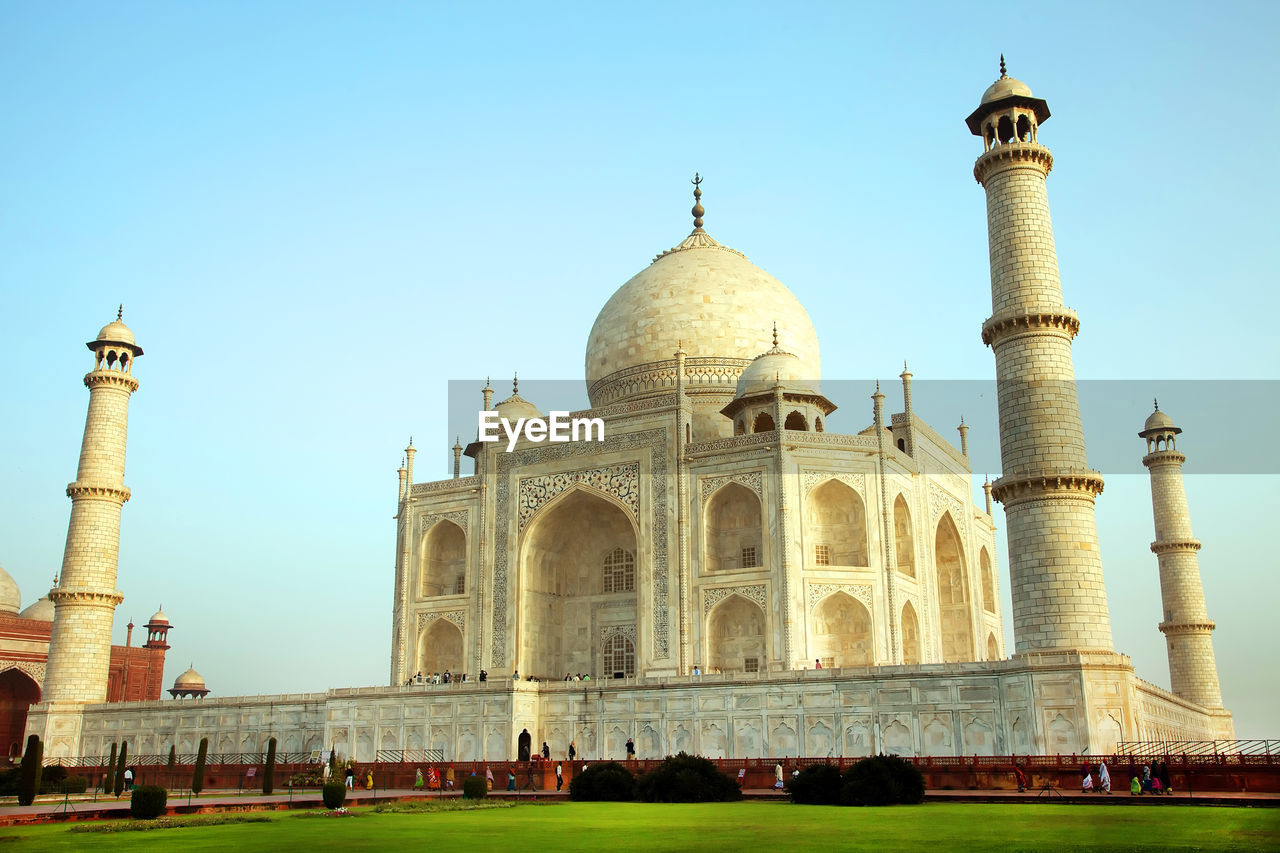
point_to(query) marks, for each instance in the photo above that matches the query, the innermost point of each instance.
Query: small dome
(10, 595)
(1158, 420)
(116, 332)
(1004, 88)
(41, 609)
(515, 407)
(775, 366)
(158, 619)
(189, 680)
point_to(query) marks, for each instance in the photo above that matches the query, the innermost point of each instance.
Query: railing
(1227, 751)
(408, 756)
(184, 758)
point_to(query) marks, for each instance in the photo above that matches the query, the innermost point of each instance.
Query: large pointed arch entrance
(18, 692)
(579, 572)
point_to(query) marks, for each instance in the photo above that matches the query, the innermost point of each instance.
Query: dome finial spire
(775, 334)
(1003, 71)
(1156, 400)
(515, 384)
(698, 210)
(120, 313)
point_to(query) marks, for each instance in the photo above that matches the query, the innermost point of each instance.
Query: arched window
(734, 535)
(817, 424)
(764, 423)
(988, 583)
(953, 593)
(1024, 129)
(903, 538)
(795, 420)
(619, 655)
(619, 571)
(835, 522)
(1005, 129)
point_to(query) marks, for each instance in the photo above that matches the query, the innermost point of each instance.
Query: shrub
(687, 778)
(148, 801)
(817, 785)
(32, 761)
(120, 767)
(475, 787)
(51, 779)
(9, 780)
(109, 780)
(173, 756)
(882, 780)
(197, 772)
(269, 774)
(75, 784)
(334, 794)
(606, 781)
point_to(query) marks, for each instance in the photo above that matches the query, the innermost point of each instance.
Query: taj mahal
(738, 580)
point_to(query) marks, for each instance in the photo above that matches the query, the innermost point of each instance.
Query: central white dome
(702, 296)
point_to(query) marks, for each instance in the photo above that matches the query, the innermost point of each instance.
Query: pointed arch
(904, 541)
(444, 560)
(993, 648)
(817, 424)
(619, 655)
(953, 592)
(763, 423)
(796, 421)
(733, 524)
(910, 635)
(440, 648)
(571, 549)
(736, 636)
(836, 525)
(988, 581)
(842, 631)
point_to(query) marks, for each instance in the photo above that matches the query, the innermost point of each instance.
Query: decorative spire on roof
(1003, 71)
(120, 313)
(515, 385)
(775, 334)
(698, 210)
(1156, 400)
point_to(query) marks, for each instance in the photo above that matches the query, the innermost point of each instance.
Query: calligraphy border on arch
(819, 591)
(811, 477)
(752, 592)
(457, 617)
(753, 480)
(655, 441)
(619, 481)
(426, 522)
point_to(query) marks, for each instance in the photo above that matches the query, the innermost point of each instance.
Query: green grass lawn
(747, 826)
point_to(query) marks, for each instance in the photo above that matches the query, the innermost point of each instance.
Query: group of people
(1152, 779)
(578, 677)
(351, 778)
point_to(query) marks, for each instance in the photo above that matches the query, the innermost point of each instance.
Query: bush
(120, 767)
(9, 782)
(475, 787)
(269, 773)
(32, 761)
(75, 784)
(109, 780)
(882, 780)
(148, 801)
(334, 794)
(606, 781)
(687, 778)
(197, 772)
(51, 779)
(817, 785)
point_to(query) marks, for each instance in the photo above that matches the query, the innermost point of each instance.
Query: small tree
(475, 787)
(334, 794)
(333, 760)
(197, 773)
(32, 764)
(109, 780)
(269, 772)
(684, 778)
(603, 781)
(120, 767)
(882, 780)
(173, 756)
(147, 801)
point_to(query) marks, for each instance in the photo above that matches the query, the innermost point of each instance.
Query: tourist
(1086, 784)
(1135, 787)
(488, 778)
(586, 677)
(559, 776)
(433, 779)
(515, 675)
(1104, 777)
(417, 780)
(128, 779)
(1020, 777)
(351, 777)
(1166, 784)
(484, 676)
(511, 779)
(573, 750)
(368, 781)
(448, 777)
(418, 677)
(577, 677)
(777, 776)
(1146, 779)
(1156, 787)
(817, 663)
(631, 750)
(697, 670)
(568, 677)
(546, 751)
(447, 677)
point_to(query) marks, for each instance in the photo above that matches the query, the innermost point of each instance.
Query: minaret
(85, 598)
(1048, 491)
(1188, 631)
(457, 456)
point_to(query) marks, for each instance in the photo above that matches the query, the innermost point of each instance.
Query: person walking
(351, 777)
(631, 750)
(559, 776)
(417, 780)
(1086, 783)
(448, 777)
(1020, 777)
(573, 750)
(777, 776)
(546, 751)
(1166, 783)
(128, 779)
(1104, 777)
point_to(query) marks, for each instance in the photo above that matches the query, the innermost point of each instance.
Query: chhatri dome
(702, 296)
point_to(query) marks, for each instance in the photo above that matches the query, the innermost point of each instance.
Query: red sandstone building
(136, 672)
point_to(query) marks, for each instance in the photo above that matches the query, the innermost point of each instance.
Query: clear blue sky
(316, 215)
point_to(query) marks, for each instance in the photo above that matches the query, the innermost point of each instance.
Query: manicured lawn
(747, 826)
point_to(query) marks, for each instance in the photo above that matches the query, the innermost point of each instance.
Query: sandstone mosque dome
(10, 595)
(705, 298)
